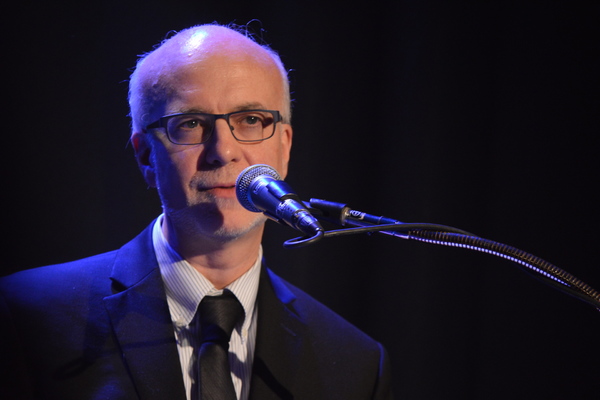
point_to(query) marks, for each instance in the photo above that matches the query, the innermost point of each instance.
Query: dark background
(479, 115)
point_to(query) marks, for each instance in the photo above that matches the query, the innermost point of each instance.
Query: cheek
(176, 169)
(270, 156)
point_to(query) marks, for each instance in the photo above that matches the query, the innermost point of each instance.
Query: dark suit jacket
(100, 328)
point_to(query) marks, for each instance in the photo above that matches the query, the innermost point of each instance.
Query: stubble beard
(204, 217)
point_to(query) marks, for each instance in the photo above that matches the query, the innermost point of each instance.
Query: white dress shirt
(185, 288)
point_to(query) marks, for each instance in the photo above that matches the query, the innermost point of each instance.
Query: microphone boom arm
(341, 215)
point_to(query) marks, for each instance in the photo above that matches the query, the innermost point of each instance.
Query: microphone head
(245, 179)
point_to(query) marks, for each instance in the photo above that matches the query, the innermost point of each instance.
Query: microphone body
(341, 214)
(259, 188)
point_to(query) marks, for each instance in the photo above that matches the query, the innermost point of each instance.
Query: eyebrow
(242, 107)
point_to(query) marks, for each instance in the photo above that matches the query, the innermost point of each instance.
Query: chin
(235, 226)
(211, 220)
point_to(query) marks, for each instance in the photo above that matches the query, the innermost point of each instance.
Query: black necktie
(218, 316)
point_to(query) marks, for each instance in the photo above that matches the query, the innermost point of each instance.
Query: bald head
(156, 74)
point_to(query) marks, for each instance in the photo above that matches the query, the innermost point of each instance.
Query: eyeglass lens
(195, 128)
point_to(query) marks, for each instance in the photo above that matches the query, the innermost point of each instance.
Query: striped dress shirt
(185, 288)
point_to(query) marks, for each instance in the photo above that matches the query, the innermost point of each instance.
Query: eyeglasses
(197, 128)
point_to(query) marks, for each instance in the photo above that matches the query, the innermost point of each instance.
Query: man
(206, 104)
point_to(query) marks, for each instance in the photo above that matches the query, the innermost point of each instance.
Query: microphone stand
(341, 215)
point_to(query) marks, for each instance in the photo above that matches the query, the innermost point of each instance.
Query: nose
(221, 148)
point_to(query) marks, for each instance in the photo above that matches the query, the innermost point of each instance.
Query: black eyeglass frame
(161, 123)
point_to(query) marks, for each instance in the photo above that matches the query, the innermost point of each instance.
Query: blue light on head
(194, 41)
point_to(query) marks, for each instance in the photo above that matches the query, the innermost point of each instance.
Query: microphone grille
(245, 179)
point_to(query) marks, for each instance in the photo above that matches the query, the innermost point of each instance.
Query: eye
(185, 123)
(249, 120)
(252, 119)
(188, 123)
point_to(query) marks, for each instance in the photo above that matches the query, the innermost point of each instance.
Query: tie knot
(218, 317)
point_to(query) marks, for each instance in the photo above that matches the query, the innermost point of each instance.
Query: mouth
(226, 190)
(217, 186)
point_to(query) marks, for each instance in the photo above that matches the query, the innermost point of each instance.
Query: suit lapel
(279, 341)
(142, 324)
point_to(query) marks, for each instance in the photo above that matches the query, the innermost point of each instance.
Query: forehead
(222, 84)
(223, 66)
(196, 48)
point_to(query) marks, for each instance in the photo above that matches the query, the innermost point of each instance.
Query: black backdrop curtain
(478, 115)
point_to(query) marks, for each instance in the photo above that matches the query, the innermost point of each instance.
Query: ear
(286, 146)
(143, 154)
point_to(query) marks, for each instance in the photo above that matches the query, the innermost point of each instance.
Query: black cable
(304, 241)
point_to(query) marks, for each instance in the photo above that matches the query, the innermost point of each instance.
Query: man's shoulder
(356, 365)
(57, 279)
(327, 322)
(73, 276)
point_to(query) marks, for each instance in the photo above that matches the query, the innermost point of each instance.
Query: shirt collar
(185, 286)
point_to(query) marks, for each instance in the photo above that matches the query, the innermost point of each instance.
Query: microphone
(259, 188)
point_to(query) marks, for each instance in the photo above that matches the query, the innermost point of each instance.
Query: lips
(225, 191)
(218, 186)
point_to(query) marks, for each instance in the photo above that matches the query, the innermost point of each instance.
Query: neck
(221, 261)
